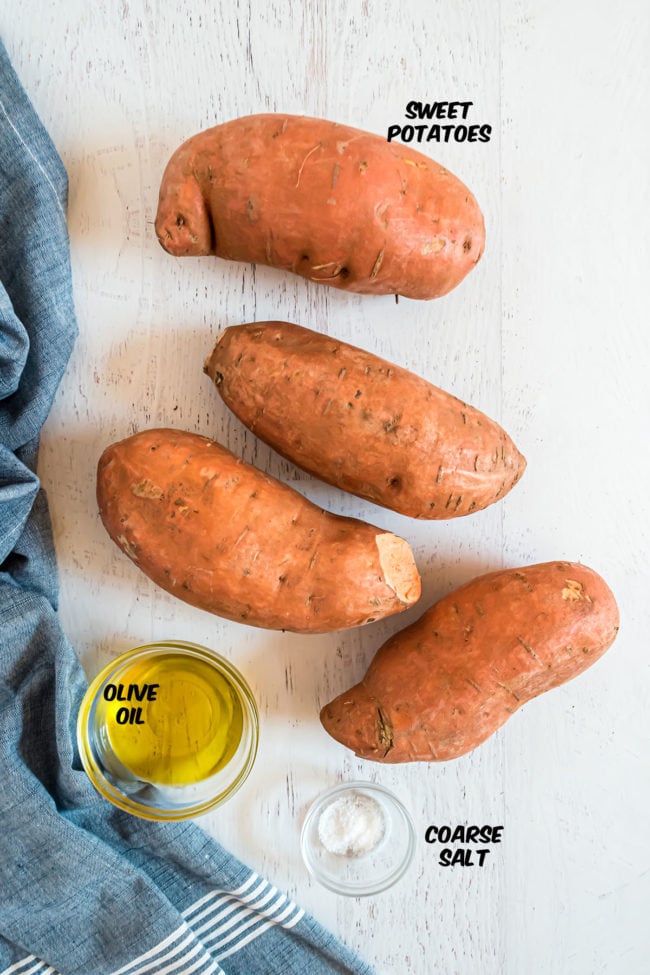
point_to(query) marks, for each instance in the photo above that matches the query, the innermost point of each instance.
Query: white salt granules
(352, 825)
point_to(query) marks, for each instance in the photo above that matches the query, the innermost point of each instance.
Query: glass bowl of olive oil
(168, 731)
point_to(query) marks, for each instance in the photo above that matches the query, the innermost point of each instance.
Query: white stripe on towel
(217, 891)
(226, 899)
(18, 964)
(236, 905)
(242, 914)
(251, 922)
(226, 917)
(223, 919)
(177, 955)
(40, 968)
(257, 932)
(154, 951)
(241, 909)
(218, 899)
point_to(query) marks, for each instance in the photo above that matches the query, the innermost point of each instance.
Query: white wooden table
(549, 335)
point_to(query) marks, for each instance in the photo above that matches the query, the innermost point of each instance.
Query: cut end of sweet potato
(399, 568)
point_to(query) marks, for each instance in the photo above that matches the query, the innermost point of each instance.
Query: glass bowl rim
(114, 795)
(363, 890)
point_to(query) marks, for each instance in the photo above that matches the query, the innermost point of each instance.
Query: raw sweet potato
(331, 203)
(447, 682)
(361, 423)
(225, 537)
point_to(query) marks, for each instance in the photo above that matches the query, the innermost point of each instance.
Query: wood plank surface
(549, 335)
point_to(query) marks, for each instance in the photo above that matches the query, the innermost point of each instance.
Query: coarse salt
(351, 825)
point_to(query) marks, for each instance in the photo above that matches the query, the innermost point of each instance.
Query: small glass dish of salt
(357, 839)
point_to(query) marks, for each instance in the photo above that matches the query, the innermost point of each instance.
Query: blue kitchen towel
(86, 889)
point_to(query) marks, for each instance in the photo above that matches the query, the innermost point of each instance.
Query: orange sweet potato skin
(227, 538)
(331, 203)
(361, 423)
(443, 685)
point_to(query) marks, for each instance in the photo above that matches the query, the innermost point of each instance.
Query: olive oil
(172, 720)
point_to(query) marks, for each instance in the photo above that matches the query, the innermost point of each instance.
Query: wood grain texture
(548, 335)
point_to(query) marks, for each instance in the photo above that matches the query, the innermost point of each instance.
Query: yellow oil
(189, 720)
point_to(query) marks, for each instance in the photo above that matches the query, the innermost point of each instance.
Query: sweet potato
(334, 204)
(225, 537)
(361, 423)
(446, 683)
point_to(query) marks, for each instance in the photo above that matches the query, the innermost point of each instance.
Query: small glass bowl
(163, 789)
(367, 873)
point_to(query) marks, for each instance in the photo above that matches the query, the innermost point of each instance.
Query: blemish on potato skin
(433, 246)
(380, 214)
(127, 547)
(522, 578)
(339, 270)
(574, 591)
(147, 489)
(527, 648)
(378, 262)
(302, 165)
(385, 733)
